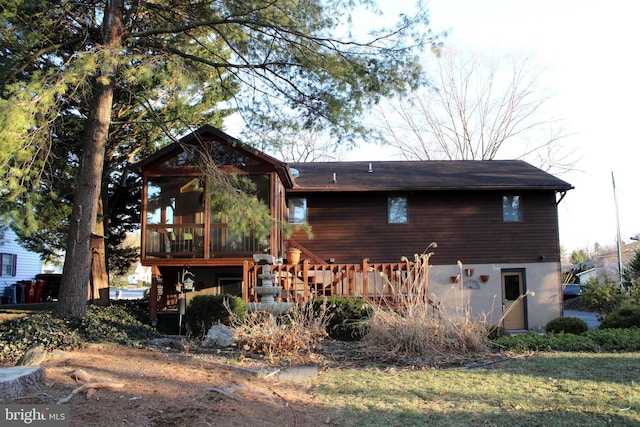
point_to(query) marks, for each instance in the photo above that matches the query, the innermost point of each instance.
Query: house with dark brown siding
(495, 224)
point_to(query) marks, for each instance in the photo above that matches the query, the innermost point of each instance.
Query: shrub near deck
(205, 311)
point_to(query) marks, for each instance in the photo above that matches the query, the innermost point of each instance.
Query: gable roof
(207, 133)
(515, 175)
(423, 175)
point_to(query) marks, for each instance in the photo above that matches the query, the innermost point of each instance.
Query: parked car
(571, 290)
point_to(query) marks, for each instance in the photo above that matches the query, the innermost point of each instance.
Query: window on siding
(297, 210)
(397, 210)
(511, 208)
(8, 264)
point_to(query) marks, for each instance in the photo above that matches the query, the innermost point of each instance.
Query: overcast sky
(590, 51)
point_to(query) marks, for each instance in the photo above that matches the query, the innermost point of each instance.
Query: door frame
(521, 273)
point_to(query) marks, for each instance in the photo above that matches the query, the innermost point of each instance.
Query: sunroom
(182, 222)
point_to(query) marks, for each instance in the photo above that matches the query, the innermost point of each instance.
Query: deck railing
(189, 241)
(164, 241)
(371, 281)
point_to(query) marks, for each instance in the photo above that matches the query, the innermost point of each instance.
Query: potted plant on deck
(293, 255)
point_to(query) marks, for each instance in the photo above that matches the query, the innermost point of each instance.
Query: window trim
(14, 264)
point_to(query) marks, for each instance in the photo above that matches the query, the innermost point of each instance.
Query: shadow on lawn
(606, 367)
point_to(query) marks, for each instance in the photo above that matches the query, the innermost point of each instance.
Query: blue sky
(590, 51)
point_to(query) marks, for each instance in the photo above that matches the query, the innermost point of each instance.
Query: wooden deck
(371, 281)
(388, 283)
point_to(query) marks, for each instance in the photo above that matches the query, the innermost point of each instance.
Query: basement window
(397, 210)
(511, 208)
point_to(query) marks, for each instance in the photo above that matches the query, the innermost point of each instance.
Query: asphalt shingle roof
(423, 175)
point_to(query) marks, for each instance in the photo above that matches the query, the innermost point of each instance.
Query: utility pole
(615, 199)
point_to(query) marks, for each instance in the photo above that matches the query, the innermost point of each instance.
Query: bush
(616, 339)
(348, 317)
(38, 329)
(567, 325)
(548, 342)
(593, 341)
(114, 324)
(602, 298)
(138, 308)
(43, 329)
(623, 317)
(205, 311)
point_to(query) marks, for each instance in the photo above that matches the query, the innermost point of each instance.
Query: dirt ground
(161, 387)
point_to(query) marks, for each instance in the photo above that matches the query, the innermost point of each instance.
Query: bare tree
(302, 145)
(311, 146)
(477, 108)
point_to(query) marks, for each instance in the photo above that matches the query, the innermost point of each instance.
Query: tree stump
(17, 381)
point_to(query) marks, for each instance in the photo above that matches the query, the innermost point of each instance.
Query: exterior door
(513, 306)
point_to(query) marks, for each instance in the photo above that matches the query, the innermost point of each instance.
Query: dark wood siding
(467, 226)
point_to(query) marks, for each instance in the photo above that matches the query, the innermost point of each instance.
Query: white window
(511, 209)
(8, 264)
(297, 210)
(397, 210)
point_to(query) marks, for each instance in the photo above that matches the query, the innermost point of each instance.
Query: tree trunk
(72, 299)
(99, 280)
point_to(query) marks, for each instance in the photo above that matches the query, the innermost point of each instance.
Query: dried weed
(300, 330)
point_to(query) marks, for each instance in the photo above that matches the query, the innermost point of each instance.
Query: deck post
(245, 281)
(305, 280)
(153, 296)
(365, 278)
(352, 278)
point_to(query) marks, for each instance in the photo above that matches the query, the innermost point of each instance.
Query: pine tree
(275, 63)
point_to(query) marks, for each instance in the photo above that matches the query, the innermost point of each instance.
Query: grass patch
(550, 389)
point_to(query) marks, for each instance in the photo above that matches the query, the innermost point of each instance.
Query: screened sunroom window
(175, 200)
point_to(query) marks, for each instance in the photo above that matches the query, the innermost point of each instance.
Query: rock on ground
(218, 336)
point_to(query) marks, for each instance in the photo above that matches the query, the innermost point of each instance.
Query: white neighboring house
(17, 263)
(141, 274)
(592, 273)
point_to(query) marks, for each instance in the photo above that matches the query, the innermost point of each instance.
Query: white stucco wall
(485, 298)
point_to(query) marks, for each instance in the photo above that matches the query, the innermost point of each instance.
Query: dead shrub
(409, 326)
(298, 331)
